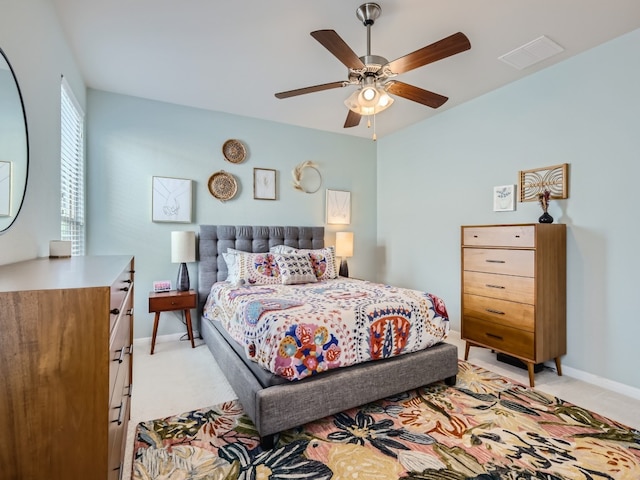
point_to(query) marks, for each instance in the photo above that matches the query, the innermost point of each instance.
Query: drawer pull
(125, 289)
(115, 311)
(130, 312)
(494, 286)
(120, 409)
(127, 281)
(129, 390)
(121, 355)
(498, 337)
(495, 261)
(491, 310)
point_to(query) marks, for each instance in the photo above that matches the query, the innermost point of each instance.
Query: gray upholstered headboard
(215, 239)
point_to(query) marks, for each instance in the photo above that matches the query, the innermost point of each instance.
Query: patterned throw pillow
(323, 261)
(251, 268)
(295, 268)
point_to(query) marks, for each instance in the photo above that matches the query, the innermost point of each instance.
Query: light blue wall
(438, 175)
(31, 37)
(130, 140)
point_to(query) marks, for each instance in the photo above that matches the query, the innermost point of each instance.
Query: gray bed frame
(274, 404)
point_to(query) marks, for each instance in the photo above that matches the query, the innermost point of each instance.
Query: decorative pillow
(251, 268)
(282, 249)
(323, 261)
(295, 268)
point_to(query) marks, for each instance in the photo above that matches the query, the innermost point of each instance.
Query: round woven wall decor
(234, 151)
(223, 185)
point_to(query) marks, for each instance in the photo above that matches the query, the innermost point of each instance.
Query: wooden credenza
(66, 329)
(514, 291)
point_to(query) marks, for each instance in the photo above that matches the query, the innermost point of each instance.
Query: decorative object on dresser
(264, 184)
(171, 200)
(534, 182)
(168, 302)
(514, 291)
(183, 250)
(66, 362)
(344, 249)
(309, 183)
(544, 199)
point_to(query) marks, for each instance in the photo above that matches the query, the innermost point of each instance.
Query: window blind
(72, 225)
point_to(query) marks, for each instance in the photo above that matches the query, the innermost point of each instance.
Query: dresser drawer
(503, 287)
(499, 337)
(119, 410)
(165, 303)
(120, 288)
(119, 348)
(495, 260)
(500, 236)
(510, 314)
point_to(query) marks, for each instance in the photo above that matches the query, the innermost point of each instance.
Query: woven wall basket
(223, 185)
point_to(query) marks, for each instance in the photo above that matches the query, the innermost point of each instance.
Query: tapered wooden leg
(187, 314)
(531, 373)
(466, 350)
(155, 331)
(558, 366)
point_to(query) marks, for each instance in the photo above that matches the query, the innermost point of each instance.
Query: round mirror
(14, 146)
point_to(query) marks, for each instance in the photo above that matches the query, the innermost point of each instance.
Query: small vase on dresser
(514, 291)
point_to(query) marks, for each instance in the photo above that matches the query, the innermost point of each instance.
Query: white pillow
(282, 249)
(295, 268)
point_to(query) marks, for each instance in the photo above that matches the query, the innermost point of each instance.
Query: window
(71, 170)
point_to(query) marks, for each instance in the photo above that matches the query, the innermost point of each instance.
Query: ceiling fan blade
(410, 92)
(315, 88)
(353, 119)
(336, 45)
(456, 43)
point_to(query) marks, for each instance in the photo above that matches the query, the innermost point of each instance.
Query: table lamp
(183, 250)
(344, 249)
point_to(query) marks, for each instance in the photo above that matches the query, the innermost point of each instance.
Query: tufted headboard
(215, 239)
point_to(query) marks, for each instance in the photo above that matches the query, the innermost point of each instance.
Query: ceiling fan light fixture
(369, 100)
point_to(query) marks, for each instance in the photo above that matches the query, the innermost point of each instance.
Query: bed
(274, 403)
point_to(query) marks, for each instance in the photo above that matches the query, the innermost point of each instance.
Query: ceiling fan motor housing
(367, 13)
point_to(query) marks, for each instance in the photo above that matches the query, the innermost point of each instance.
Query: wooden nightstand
(170, 301)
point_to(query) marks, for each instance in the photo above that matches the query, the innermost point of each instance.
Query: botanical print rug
(485, 428)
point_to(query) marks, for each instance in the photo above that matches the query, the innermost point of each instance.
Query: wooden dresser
(514, 291)
(65, 362)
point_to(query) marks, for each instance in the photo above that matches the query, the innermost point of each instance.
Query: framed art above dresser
(514, 291)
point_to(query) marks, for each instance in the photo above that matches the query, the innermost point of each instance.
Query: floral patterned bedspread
(300, 330)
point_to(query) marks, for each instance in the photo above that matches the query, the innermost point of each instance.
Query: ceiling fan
(374, 75)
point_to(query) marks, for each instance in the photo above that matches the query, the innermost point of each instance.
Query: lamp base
(182, 283)
(344, 268)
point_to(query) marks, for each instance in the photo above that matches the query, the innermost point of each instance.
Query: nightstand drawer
(510, 314)
(510, 340)
(500, 236)
(172, 301)
(503, 287)
(504, 262)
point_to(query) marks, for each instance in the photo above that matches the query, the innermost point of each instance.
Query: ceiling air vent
(531, 53)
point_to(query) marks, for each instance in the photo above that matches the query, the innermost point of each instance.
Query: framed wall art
(536, 181)
(338, 207)
(171, 200)
(264, 184)
(5, 189)
(504, 198)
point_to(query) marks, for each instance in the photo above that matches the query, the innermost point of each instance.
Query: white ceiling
(232, 56)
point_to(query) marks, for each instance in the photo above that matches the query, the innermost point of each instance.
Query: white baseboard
(171, 337)
(617, 387)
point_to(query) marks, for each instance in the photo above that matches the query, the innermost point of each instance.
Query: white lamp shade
(344, 244)
(183, 247)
